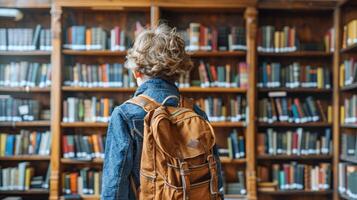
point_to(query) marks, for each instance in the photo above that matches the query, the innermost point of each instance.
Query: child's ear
(137, 74)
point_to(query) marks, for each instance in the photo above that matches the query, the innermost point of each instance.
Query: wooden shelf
(76, 162)
(295, 90)
(25, 158)
(93, 53)
(114, 89)
(296, 192)
(297, 54)
(234, 196)
(26, 124)
(350, 49)
(25, 89)
(287, 124)
(226, 160)
(85, 197)
(294, 157)
(348, 125)
(104, 125)
(351, 87)
(350, 159)
(217, 53)
(25, 192)
(344, 196)
(25, 53)
(123, 53)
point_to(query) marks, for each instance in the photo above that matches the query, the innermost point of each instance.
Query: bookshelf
(251, 14)
(34, 13)
(345, 160)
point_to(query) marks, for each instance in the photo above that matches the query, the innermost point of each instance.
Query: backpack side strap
(186, 102)
(145, 102)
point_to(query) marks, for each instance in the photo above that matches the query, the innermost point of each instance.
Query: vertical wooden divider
(336, 99)
(154, 15)
(56, 102)
(250, 16)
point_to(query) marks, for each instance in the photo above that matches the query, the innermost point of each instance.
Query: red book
(64, 145)
(73, 183)
(213, 72)
(299, 108)
(117, 35)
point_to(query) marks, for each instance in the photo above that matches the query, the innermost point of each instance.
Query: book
(21, 177)
(235, 146)
(15, 110)
(199, 37)
(348, 72)
(286, 109)
(81, 182)
(274, 75)
(25, 143)
(25, 74)
(103, 75)
(349, 36)
(347, 179)
(349, 146)
(227, 76)
(87, 110)
(218, 110)
(350, 110)
(297, 176)
(83, 147)
(25, 39)
(295, 142)
(237, 187)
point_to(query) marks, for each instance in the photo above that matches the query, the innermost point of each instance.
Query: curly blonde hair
(159, 52)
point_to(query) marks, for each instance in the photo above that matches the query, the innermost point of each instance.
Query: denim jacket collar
(156, 84)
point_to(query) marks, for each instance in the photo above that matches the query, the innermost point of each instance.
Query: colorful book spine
(347, 180)
(349, 37)
(83, 147)
(84, 182)
(16, 110)
(272, 40)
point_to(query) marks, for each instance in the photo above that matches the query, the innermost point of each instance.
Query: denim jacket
(125, 137)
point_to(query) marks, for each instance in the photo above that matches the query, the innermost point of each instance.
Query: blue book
(38, 142)
(10, 140)
(235, 146)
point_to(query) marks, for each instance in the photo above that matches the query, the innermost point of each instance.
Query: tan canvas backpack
(177, 159)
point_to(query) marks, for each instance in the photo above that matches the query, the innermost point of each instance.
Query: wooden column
(336, 98)
(154, 16)
(56, 102)
(251, 28)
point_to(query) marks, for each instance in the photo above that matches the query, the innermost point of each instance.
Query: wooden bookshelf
(350, 49)
(295, 90)
(25, 89)
(348, 88)
(26, 124)
(349, 159)
(24, 192)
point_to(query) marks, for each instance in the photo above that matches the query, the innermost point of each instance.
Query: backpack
(177, 160)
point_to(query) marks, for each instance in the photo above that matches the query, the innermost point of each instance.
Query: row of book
(235, 146)
(25, 39)
(218, 110)
(97, 38)
(237, 187)
(274, 75)
(349, 145)
(25, 143)
(349, 110)
(13, 109)
(295, 176)
(104, 75)
(270, 39)
(223, 76)
(25, 74)
(22, 177)
(200, 37)
(87, 109)
(348, 72)
(297, 110)
(294, 142)
(347, 180)
(349, 34)
(84, 182)
(83, 147)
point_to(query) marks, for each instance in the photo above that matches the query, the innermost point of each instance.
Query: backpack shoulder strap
(145, 102)
(186, 102)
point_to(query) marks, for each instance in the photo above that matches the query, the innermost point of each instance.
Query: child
(157, 59)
